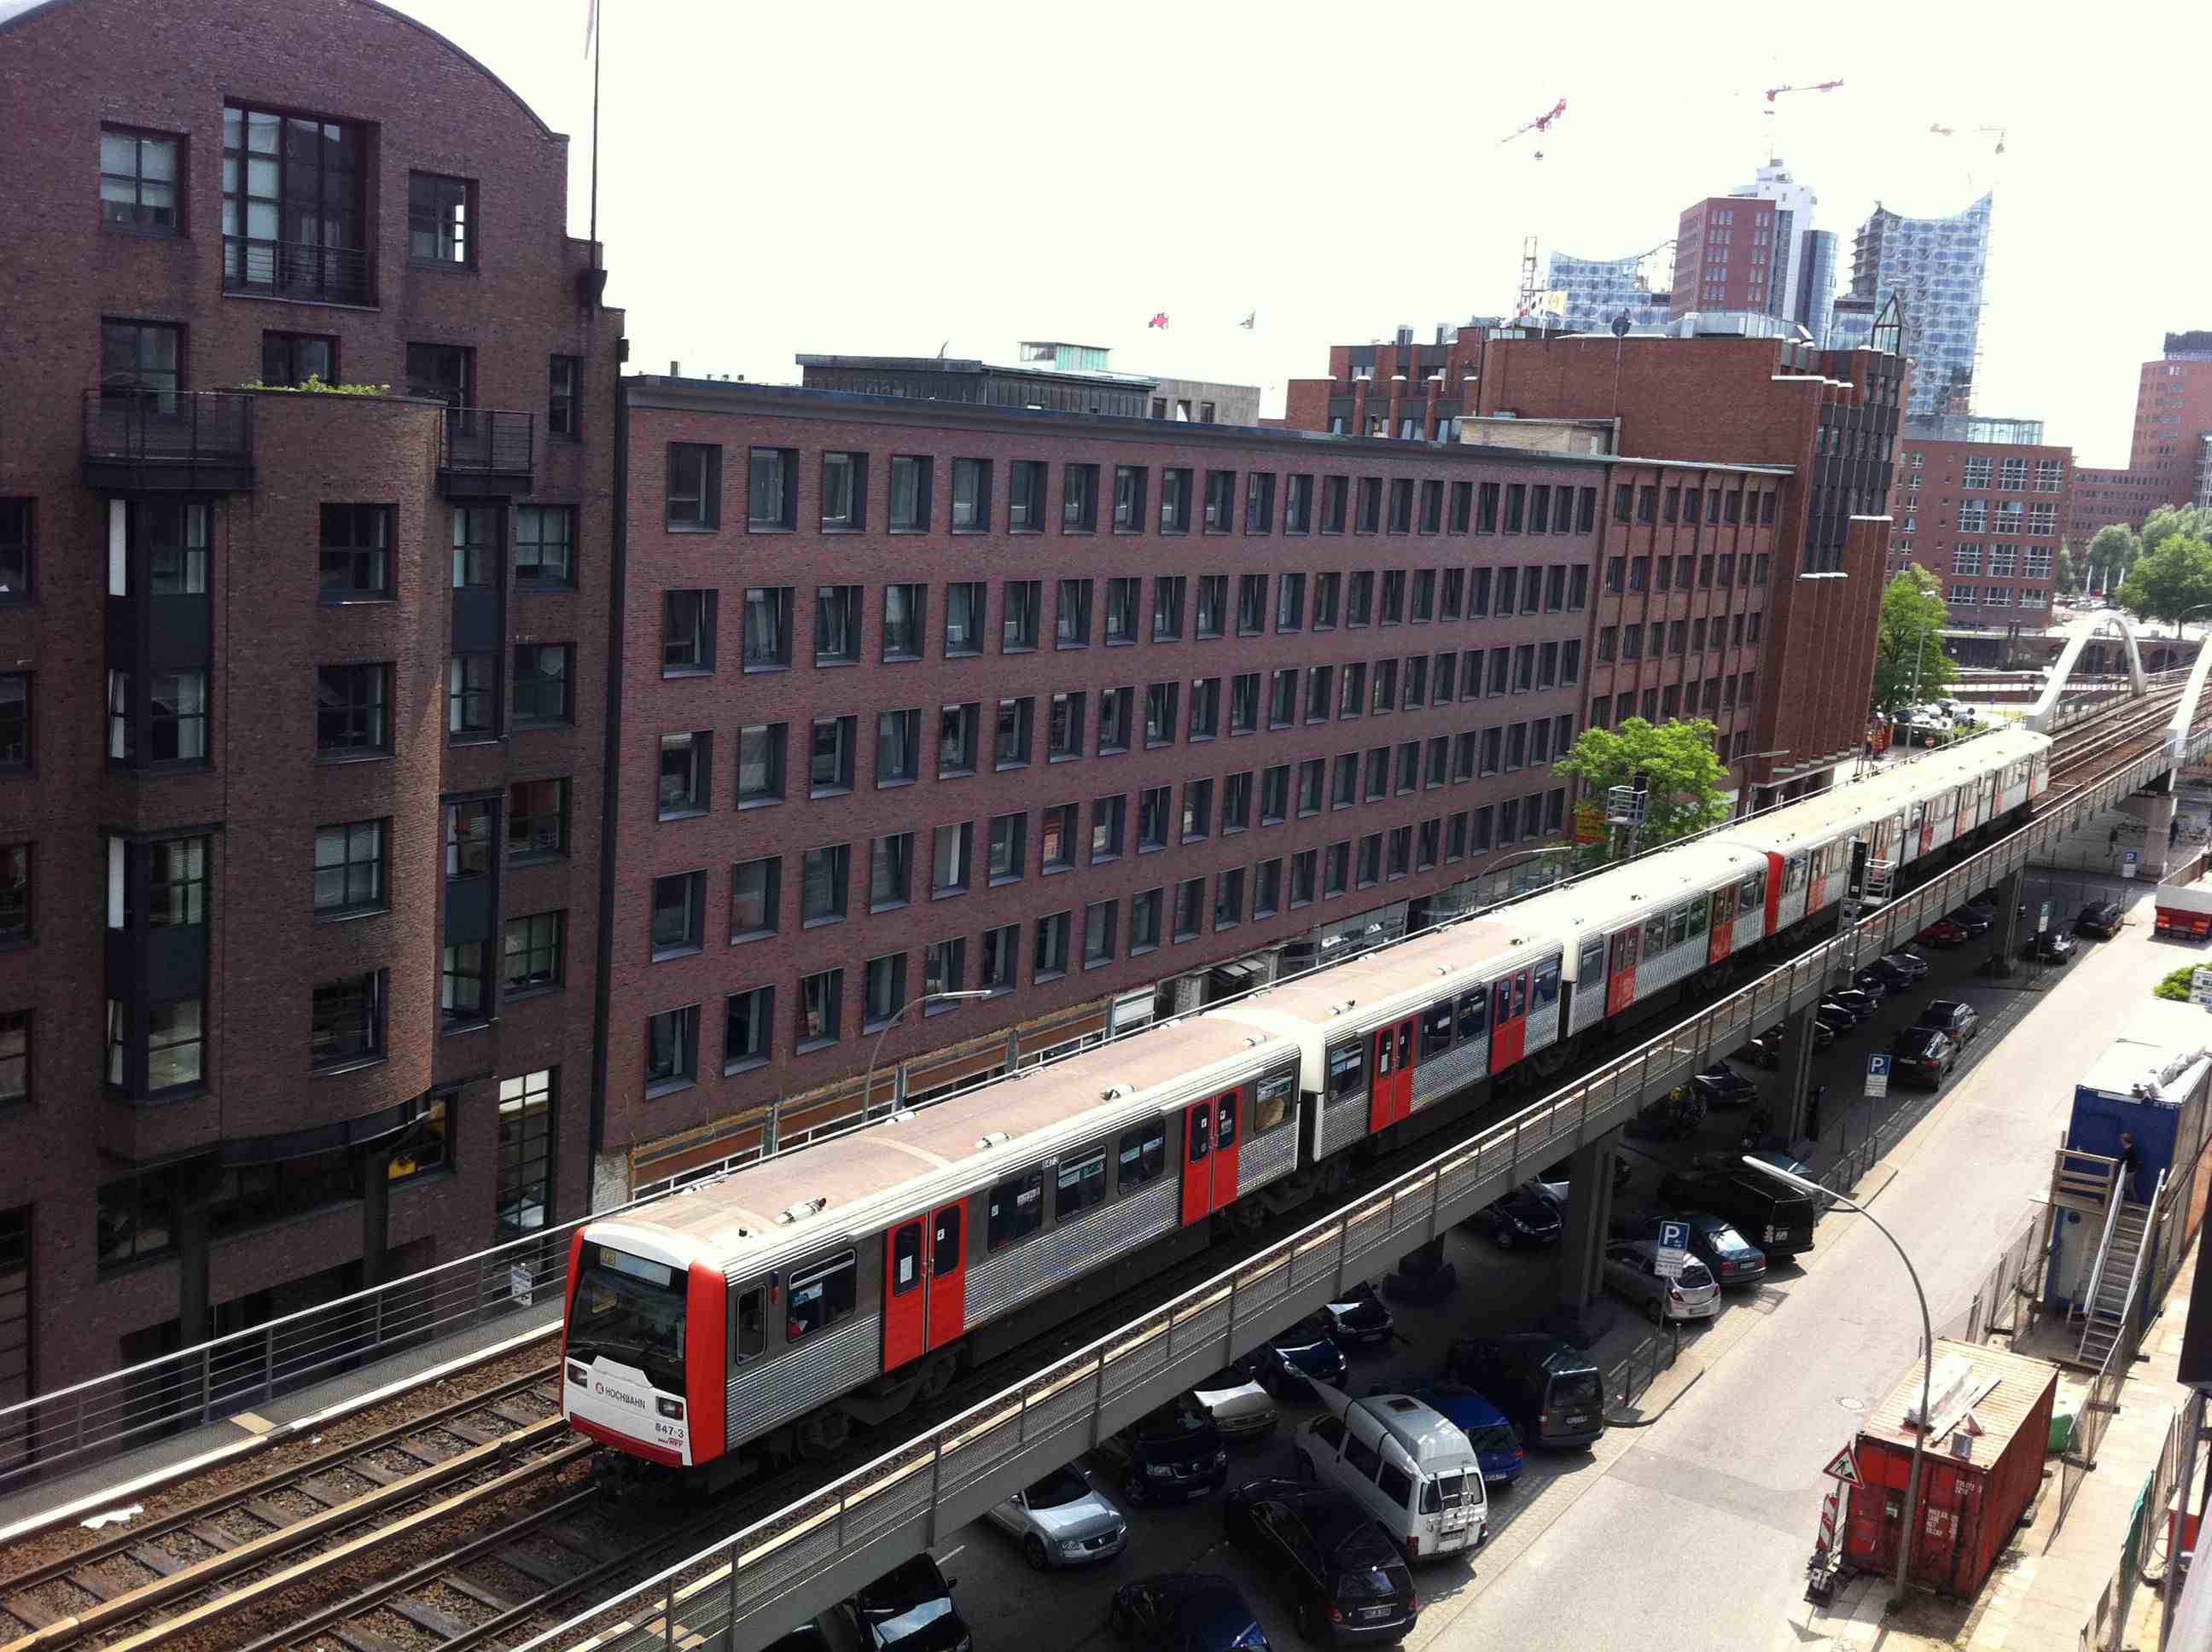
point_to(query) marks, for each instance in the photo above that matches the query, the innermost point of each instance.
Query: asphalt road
(1702, 1521)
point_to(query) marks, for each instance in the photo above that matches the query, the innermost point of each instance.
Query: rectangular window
(1327, 589)
(1116, 716)
(944, 970)
(687, 632)
(1229, 897)
(1071, 615)
(906, 613)
(350, 868)
(686, 773)
(1160, 712)
(824, 873)
(297, 359)
(1197, 810)
(829, 765)
(1129, 481)
(1015, 725)
(1359, 602)
(1152, 810)
(1079, 506)
(1025, 500)
(772, 495)
(441, 219)
(1000, 947)
(544, 547)
(747, 1028)
(1244, 703)
(1370, 505)
(1335, 503)
(964, 618)
(351, 712)
(1099, 921)
(844, 500)
(1065, 733)
(1260, 502)
(538, 818)
(756, 898)
(347, 1021)
(141, 176)
(910, 493)
(890, 871)
(1175, 501)
(1006, 845)
(693, 487)
(16, 551)
(1021, 607)
(1212, 604)
(1144, 922)
(767, 628)
(898, 747)
(971, 495)
(760, 763)
(1220, 500)
(544, 672)
(1298, 505)
(564, 397)
(1189, 908)
(672, 1050)
(1205, 707)
(1123, 597)
(679, 918)
(951, 847)
(1049, 948)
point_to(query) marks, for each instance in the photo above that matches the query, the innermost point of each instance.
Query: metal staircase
(2110, 1297)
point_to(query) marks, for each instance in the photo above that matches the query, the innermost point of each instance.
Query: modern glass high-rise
(1935, 268)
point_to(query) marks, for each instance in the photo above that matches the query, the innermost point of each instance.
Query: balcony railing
(299, 270)
(486, 452)
(188, 440)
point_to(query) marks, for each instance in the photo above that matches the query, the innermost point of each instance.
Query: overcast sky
(858, 177)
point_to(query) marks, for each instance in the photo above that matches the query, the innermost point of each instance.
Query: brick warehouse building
(1980, 503)
(922, 695)
(1707, 411)
(301, 737)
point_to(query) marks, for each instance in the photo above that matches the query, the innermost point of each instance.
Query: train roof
(966, 1138)
(1379, 976)
(1595, 905)
(1816, 819)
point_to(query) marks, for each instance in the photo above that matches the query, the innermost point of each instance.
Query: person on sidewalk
(2129, 1172)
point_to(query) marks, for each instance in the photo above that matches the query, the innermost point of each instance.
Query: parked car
(809, 1636)
(1348, 1583)
(1871, 981)
(1946, 933)
(1924, 1055)
(1185, 1611)
(2051, 946)
(1860, 1003)
(1519, 1217)
(1361, 1320)
(1408, 1466)
(1556, 1176)
(1948, 1015)
(1728, 1255)
(1975, 920)
(1631, 1270)
(1170, 1455)
(1722, 1085)
(1765, 1049)
(1900, 969)
(1062, 1520)
(1552, 1390)
(1837, 1019)
(2099, 918)
(1287, 1362)
(1240, 1407)
(1497, 1443)
(1776, 1217)
(909, 1609)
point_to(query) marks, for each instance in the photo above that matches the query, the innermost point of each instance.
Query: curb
(1696, 1376)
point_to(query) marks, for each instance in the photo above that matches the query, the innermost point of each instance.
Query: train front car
(642, 1349)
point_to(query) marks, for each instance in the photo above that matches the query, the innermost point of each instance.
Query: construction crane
(1774, 91)
(1940, 130)
(1539, 126)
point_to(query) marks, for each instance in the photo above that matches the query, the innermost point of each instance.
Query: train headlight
(578, 1374)
(671, 1409)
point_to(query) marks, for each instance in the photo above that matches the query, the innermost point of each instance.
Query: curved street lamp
(868, 1085)
(1927, 1358)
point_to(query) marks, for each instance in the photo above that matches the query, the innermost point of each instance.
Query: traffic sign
(1843, 1467)
(2200, 985)
(1674, 1248)
(2043, 919)
(1877, 1078)
(2128, 863)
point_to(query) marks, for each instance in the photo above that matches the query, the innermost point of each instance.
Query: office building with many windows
(1981, 503)
(302, 488)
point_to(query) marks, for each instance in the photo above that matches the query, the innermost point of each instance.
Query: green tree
(2168, 521)
(2065, 575)
(2111, 553)
(2175, 984)
(1910, 665)
(1676, 759)
(2171, 582)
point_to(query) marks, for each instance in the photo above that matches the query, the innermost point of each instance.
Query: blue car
(1287, 1363)
(1497, 1443)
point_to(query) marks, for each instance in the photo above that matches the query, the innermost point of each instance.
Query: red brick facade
(1985, 519)
(260, 1170)
(1725, 254)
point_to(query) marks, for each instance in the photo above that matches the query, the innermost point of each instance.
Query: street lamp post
(1927, 1358)
(868, 1085)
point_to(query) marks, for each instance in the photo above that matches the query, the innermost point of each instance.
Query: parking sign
(1877, 1078)
(1674, 1248)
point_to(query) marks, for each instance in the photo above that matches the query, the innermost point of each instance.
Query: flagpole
(595, 134)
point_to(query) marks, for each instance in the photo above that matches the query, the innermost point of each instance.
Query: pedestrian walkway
(2048, 1582)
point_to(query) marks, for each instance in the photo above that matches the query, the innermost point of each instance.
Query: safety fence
(1627, 1379)
(2004, 1305)
(776, 1572)
(2146, 1551)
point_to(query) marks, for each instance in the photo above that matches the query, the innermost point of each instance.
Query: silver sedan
(1631, 1270)
(1063, 1520)
(1240, 1407)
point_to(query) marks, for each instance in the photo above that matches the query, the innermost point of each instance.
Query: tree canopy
(2168, 521)
(2112, 551)
(1909, 665)
(1684, 776)
(2172, 582)
(2065, 576)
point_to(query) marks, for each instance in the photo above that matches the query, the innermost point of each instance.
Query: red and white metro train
(769, 1310)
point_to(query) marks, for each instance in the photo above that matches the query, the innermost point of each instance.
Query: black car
(1924, 1055)
(1975, 920)
(2051, 946)
(1185, 1611)
(1348, 1583)
(1859, 1003)
(909, 1608)
(1728, 1255)
(1901, 969)
(1287, 1362)
(1722, 1085)
(1519, 1217)
(1871, 981)
(1550, 1389)
(1948, 1015)
(1170, 1455)
(2099, 918)
(807, 1637)
(1362, 1320)
(1839, 1021)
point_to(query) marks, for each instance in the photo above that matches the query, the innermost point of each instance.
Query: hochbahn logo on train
(762, 1317)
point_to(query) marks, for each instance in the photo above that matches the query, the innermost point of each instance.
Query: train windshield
(631, 1310)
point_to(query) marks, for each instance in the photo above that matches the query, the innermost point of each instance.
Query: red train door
(1509, 1021)
(1197, 1169)
(1390, 1074)
(906, 1294)
(1225, 1132)
(948, 1275)
(1620, 977)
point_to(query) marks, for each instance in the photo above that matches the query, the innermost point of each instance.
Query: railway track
(257, 1549)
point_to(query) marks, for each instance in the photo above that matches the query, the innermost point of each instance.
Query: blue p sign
(1674, 1236)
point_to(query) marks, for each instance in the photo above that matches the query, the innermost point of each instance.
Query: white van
(1407, 1465)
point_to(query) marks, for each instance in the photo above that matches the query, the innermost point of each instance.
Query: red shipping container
(1969, 1505)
